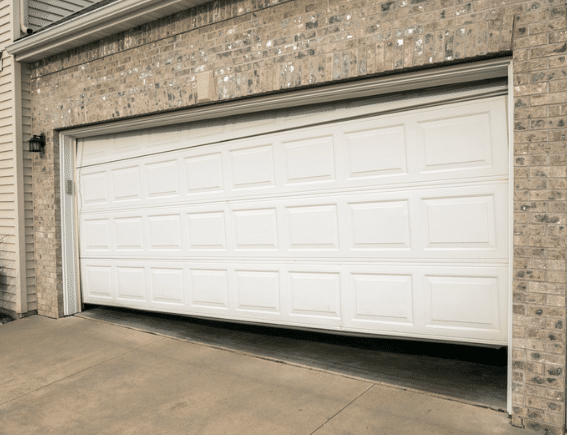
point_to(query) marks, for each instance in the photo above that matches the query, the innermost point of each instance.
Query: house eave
(94, 25)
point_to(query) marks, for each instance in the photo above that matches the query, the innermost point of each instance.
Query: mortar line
(158, 39)
(81, 371)
(343, 408)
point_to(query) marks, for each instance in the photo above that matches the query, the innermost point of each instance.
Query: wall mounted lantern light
(37, 143)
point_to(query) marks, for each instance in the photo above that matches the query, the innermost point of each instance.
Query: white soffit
(95, 25)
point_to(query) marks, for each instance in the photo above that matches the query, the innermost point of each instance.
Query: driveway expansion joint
(343, 408)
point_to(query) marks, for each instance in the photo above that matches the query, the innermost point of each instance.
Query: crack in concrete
(344, 407)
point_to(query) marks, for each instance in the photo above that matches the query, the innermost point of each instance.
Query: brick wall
(540, 100)
(252, 47)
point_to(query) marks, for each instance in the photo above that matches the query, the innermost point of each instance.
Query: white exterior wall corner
(13, 230)
(18, 290)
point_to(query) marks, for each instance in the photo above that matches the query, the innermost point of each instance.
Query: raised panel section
(315, 294)
(163, 179)
(313, 227)
(382, 298)
(462, 302)
(165, 232)
(460, 222)
(209, 288)
(98, 281)
(389, 224)
(456, 143)
(253, 167)
(93, 188)
(376, 153)
(129, 233)
(204, 173)
(206, 230)
(96, 234)
(126, 184)
(256, 229)
(310, 160)
(131, 283)
(380, 225)
(167, 285)
(257, 291)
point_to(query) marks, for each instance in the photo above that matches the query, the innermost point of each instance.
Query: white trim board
(95, 25)
(511, 226)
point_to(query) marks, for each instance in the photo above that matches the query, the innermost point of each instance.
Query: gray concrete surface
(468, 374)
(83, 376)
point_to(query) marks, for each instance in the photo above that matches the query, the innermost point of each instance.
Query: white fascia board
(95, 25)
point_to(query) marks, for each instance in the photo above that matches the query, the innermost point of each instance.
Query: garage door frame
(419, 80)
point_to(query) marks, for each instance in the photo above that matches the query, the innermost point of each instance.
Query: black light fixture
(37, 143)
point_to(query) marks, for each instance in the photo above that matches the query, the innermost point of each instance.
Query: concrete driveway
(82, 376)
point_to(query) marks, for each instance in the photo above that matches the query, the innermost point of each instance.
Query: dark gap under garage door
(475, 375)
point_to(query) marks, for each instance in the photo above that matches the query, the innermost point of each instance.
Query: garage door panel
(393, 232)
(126, 184)
(309, 160)
(167, 285)
(96, 235)
(441, 151)
(313, 227)
(252, 167)
(255, 229)
(204, 173)
(465, 222)
(258, 291)
(466, 302)
(382, 298)
(131, 283)
(449, 222)
(376, 152)
(394, 224)
(94, 188)
(466, 219)
(162, 178)
(436, 300)
(209, 288)
(315, 294)
(206, 231)
(351, 155)
(97, 282)
(427, 300)
(164, 232)
(129, 234)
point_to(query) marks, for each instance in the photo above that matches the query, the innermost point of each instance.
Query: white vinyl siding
(8, 207)
(28, 196)
(16, 248)
(44, 12)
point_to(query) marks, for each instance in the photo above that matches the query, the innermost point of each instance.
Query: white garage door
(394, 224)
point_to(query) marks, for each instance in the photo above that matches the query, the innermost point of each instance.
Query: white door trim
(511, 229)
(459, 74)
(69, 229)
